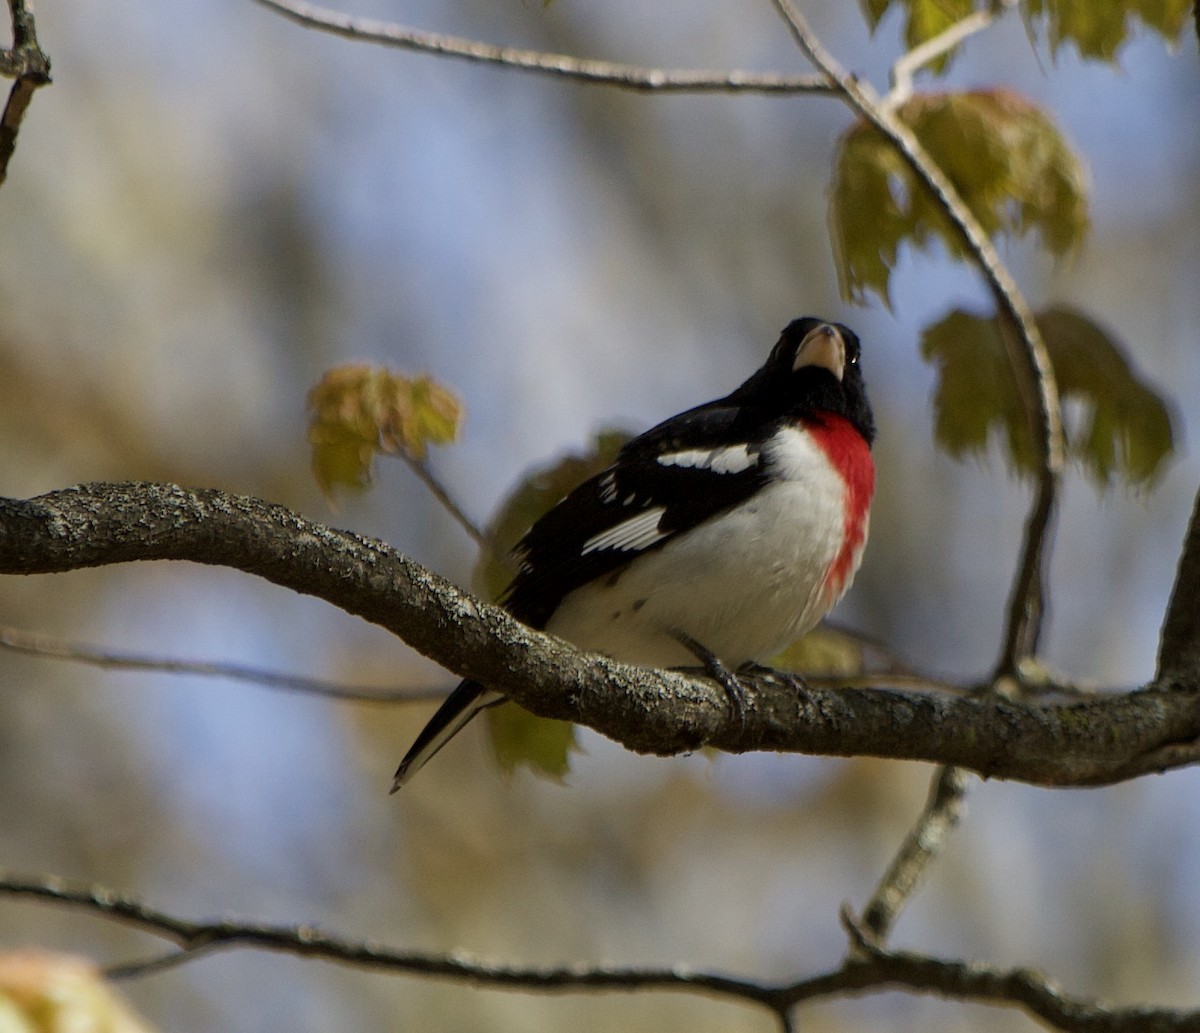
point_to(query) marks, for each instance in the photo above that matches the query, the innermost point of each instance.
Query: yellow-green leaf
(929, 18)
(521, 739)
(357, 412)
(823, 651)
(1005, 158)
(518, 737)
(1099, 29)
(1117, 425)
(875, 10)
(923, 19)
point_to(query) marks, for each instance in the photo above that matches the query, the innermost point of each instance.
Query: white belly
(744, 586)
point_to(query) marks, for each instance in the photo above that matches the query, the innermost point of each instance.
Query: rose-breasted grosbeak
(725, 532)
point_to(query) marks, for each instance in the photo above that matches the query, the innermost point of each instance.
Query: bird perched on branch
(724, 533)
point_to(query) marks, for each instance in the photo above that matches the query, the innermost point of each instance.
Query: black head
(813, 368)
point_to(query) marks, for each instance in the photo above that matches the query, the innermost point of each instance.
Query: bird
(723, 533)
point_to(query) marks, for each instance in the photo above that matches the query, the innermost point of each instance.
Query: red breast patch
(850, 455)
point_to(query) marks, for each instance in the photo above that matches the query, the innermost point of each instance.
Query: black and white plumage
(735, 525)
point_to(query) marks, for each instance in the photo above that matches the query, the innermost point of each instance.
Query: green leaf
(357, 412)
(874, 10)
(1099, 28)
(923, 19)
(521, 739)
(1117, 426)
(1004, 156)
(929, 18)
(823, 651)
(518, 737)
(1125, 427)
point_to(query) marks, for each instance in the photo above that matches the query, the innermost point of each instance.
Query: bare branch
(942, 812)
(874, 970)
(51, 648)
(440, 492)
(194, 938)
(1084, 742)
(907, 65)
(29, 65)
(1026, 350)
(563, 66)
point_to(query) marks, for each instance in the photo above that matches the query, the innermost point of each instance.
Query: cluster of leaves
(1017, 173)
(1005, 158)
(1123, 427)
(1098, 28)
(357, 412)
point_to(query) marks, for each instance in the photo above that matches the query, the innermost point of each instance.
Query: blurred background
(211, 206)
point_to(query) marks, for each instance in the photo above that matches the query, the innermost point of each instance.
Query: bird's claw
(722, 675)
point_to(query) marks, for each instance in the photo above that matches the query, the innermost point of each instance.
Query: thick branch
(874, 970)
(562, 66)
(1084, 742)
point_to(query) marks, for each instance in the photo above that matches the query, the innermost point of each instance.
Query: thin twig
(29, 65)
(1026, 350)
(872, 969)
(48, 647)
(608, 73)
(909, 63)
(442, 494)
(924, 842)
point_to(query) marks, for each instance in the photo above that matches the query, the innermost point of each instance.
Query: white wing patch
(608, 487)
(727, 459)
(630, 535)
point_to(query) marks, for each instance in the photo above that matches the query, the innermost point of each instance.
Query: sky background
(211, 206)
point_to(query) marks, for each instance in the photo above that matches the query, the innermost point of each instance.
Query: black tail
(461, 705)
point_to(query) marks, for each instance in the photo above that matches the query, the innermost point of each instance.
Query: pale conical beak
(822, 346)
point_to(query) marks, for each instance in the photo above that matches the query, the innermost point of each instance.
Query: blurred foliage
(1005, 157)
(823, 651)
(54, 993)
(1098, 29)
(1124, 426)
(518, 737)
(357, 411)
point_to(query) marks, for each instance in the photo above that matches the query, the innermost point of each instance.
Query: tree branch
(29, 65)
(1084, 742)
(907, 65)
(872, 970)
(563, 66)
(944, 808)
(447, 501)
(49, 647)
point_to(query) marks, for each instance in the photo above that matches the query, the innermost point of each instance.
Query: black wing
(663, 483)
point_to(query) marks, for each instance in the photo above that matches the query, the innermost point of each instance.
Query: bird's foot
(722, 675)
